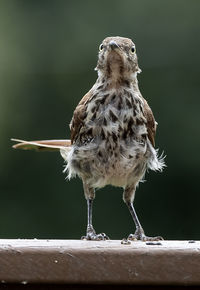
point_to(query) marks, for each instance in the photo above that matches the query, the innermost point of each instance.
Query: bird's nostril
(113, 44)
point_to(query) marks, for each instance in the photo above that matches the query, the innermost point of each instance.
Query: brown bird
(112, 132)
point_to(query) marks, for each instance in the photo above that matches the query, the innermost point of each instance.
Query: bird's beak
(113, 45)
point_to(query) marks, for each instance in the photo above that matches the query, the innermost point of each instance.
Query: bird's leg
(139, 232)
(90, 232)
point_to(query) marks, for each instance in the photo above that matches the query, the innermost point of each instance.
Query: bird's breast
(112, 141)
(114, 117)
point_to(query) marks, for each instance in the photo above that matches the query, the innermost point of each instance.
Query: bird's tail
(42, 145)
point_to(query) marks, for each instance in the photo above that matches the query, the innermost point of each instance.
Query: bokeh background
(48, 51)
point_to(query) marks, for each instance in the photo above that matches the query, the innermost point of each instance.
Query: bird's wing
(42, 145)
(79, 116)
(151, 123)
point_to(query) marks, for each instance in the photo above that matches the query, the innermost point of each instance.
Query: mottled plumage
(113, 131)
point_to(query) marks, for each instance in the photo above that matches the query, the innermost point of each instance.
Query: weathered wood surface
(103, 262)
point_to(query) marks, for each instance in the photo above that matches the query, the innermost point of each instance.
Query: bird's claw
(92, 236)
(139, 235)
(125, 242)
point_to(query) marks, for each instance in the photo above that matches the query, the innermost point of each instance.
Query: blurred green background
(48, 50)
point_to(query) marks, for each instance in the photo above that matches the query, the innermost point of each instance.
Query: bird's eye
(101, 47)
(133, 49)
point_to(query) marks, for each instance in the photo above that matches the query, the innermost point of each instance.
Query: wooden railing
(33, 263)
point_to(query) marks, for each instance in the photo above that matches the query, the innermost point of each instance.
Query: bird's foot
(139, 235)
(92, 236)
(95, 237)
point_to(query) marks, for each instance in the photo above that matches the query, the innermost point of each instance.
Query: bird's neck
(117, 79)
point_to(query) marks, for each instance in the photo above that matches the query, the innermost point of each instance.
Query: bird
(113, 131)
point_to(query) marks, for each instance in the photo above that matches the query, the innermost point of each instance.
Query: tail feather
(42, 145)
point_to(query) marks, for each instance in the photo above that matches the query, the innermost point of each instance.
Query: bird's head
(117, 59)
